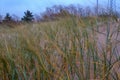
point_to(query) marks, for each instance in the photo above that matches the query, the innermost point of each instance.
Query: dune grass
(68, 49)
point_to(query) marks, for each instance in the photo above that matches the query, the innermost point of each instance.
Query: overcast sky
(36, 6)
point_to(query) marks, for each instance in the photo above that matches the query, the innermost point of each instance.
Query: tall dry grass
(69, 49)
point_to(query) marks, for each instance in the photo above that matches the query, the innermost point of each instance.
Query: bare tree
(72, 9)
(37, 18)
(80, 10)
(97, 8)
(88, 11)
(15, 18)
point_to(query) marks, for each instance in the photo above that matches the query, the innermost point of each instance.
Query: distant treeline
(58, 11)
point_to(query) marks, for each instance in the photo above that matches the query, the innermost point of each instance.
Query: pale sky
(18, 7)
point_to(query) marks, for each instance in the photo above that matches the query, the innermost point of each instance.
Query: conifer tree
(28, 17)
(7, 17)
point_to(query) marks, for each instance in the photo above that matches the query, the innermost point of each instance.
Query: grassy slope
(68, 49)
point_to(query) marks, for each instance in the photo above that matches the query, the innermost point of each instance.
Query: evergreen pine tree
(28, 17)
(7, 17)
